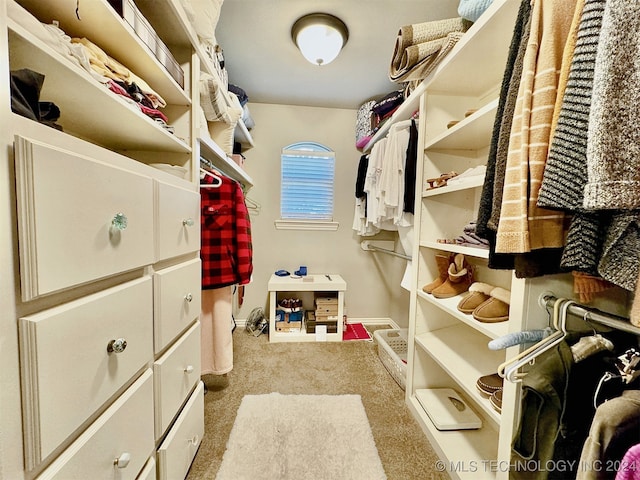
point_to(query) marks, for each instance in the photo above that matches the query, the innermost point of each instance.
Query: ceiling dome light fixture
(320, 37)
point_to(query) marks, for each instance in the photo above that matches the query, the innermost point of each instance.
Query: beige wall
(373, 280)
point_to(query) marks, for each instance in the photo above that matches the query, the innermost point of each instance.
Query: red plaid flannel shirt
(226, 249)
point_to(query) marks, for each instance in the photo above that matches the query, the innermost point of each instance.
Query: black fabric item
(410, 169)
(536, 263)
(25, 93)
(240, 93)
(387, 103)
(362, 173)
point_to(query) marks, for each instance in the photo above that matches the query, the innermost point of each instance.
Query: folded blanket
(420, 47)
(212, 100)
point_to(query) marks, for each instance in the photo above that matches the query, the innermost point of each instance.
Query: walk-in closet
(275, 240)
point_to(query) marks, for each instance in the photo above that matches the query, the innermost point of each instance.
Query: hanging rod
(369, 247)
(592, 314)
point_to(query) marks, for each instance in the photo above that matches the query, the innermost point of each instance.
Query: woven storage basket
(392, 350)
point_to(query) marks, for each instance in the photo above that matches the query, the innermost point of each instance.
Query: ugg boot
(442, 262)
(459, 279)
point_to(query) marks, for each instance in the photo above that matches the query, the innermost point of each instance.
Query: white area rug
(298, 437)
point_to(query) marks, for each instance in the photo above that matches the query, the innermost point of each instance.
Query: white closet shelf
(170, 21)
(104, 27)
(107, 119)
(467, 453)
(471, 133)
(466, 71)
(212, 152)
(242, 135)
(472, 183)
(453, 248)
(463, 354)
(450, 305)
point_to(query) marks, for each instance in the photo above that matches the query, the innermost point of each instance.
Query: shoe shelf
(466, 453)
(450, 306)
(471, 133)
(463, 354)
(475, 182)
(453, 248)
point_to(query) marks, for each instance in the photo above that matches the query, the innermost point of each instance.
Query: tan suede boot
(442, 262)
(459, 279)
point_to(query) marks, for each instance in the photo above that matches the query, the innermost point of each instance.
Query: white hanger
(509, 369)
(207, 173)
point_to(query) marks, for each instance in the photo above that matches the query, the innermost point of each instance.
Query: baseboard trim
(242, 322)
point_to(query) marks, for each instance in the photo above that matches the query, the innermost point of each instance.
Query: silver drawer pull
(189, 369)
(188, 222)
(117, 346)
(123, 460)
(188, 297)
(119, 221)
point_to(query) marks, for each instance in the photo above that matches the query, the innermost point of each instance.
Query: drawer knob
(117, 346)
(188, 222)
(194, 440)
(123, 460)
(119, 221)
(189, 369)
(188, 297)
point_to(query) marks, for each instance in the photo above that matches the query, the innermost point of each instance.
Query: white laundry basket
(392, 350)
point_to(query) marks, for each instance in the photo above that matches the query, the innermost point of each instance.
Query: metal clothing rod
(390, 252)
(595, 315)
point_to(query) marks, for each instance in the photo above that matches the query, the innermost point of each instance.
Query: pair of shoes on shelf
(491, 386)
(487, 304)
(455, 275)
(466, 114)
(290, 304)
(440, 181)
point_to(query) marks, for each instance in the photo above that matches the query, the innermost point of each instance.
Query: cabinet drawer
(178, 221)
(149, 471)
(68, 374)
(124, 430)
(68, 207)
(176, 301)
(175, 374)
(181, 443)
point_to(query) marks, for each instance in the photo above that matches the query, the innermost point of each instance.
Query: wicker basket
(392, 350)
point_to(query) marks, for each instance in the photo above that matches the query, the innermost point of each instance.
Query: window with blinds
(307, 174)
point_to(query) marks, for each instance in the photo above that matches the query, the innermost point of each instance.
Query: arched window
(307, 174)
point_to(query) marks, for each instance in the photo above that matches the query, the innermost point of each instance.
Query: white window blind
(307, 174)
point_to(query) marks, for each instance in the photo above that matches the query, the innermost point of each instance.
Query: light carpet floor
(306, 437)
(316, 368)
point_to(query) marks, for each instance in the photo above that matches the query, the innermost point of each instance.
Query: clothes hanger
(207, 173)
(509, 369)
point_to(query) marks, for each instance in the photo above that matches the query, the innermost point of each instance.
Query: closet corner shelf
(471, 133)
(104, 27)
(211, 151)
(119, 126)
(473, 183)
(480, 54)
(453, 248)
(242, 135)
(450, 305)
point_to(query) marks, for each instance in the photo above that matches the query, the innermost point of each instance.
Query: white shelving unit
(332, 284)
(447, 348)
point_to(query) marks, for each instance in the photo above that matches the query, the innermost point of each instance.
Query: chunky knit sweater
(613, 148)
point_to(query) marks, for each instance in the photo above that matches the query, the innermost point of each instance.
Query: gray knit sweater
(613, 148)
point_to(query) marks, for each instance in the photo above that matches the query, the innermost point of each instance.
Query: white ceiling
(261, 58)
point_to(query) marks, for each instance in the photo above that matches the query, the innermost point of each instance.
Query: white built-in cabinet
(447, 348)
(100, 267)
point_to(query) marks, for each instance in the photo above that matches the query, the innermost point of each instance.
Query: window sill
(306, 225)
